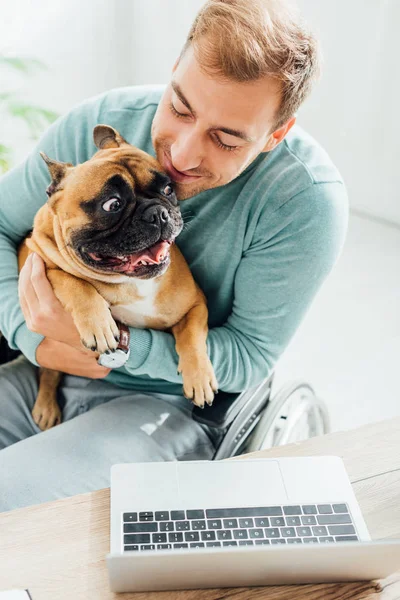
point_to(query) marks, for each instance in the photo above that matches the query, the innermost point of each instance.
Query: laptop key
(309, 509)
(325, 540)
(280, 541)
(310, 540)
(303, 531)
(144, 538)
(224, 535)
(262, 542)
(213, 544)
(309, 520)
(196, 525)
(177, 515)
(340, 508)
(333, 519)
(277, 521)
(263, 522)
(346, 538)
(140, 527)
(325, 509)
(208, 535)
(293, 521)
(195, 514)
(130, 517)
(182, 525)
(341, 530)
(232, 543)
(162, 515)
(159, 538)
(175, 537)
(320, 530)
(240, 534)
(294, 541)
(198, 545)
(231, 523)
(272, 532)
(292, 510)
(216, 524)
(146, 516)
(246, 543)
(164, 546)
(192, 536)
(148, 547)
(131, 548)
(246, 523)
(288, 532)
(167, 526)
(177, 546)
(256, 533)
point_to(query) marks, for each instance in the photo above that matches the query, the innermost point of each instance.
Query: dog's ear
(105, 137)
(57, 172)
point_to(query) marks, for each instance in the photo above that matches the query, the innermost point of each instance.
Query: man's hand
(62, 357)
(61, 349)
(42, 310)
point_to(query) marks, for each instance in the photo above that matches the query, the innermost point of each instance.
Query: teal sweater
(259, 247)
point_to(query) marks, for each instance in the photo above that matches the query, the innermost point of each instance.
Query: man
(265, 213)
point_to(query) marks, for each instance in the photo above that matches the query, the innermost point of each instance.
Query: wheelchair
(255, 419)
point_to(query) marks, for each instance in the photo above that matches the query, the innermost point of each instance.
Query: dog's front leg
(199, 381)
(92, 316)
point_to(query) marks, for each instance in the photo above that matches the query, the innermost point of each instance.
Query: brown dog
(106, 236)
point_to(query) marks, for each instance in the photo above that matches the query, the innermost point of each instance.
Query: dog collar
(118, 358)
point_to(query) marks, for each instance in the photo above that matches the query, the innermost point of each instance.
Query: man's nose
(186, 152)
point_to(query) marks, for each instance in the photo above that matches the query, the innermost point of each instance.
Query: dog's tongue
(154, 254)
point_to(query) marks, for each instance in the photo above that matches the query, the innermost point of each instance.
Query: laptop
(245, 522)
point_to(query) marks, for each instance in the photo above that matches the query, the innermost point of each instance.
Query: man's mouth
(158, 254)
(178, 176)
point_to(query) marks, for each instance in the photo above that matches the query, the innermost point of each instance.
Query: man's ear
(277, 136)
(57, 172)
(105, 136)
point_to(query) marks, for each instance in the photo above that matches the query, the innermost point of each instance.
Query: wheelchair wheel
(293, 415)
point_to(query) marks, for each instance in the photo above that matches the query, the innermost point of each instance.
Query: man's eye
(112, 205)
(168, 190)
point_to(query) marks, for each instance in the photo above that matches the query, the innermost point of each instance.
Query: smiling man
(265, 214)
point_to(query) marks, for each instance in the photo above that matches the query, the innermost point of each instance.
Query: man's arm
(22, 193)
(292, 252)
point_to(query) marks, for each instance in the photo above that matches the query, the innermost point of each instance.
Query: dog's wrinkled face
(118, 211)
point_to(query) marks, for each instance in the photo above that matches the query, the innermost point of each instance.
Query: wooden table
(57, 549)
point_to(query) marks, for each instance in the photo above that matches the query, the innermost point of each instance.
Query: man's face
(224, 126)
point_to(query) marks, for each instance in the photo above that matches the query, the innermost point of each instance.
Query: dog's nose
(156, 214)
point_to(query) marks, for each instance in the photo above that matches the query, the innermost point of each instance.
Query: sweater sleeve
(292, 252)
(22, 193)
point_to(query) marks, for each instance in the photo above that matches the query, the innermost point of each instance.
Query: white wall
(95, 45)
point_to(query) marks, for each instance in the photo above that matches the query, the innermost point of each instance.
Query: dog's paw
(98, 331)
(199, 381)
(46, 414)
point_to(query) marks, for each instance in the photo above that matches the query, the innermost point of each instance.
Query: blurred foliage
(36, 118)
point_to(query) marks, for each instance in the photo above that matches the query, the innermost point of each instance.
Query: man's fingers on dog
(23, 285)
(42, 285)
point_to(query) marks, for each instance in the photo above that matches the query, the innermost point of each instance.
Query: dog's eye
(168, 190)
(112, 205)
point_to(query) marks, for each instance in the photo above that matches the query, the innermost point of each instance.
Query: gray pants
(102, 424)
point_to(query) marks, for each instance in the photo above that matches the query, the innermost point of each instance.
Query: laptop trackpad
(249, 482)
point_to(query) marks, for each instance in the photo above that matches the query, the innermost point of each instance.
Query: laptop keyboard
(217, 527)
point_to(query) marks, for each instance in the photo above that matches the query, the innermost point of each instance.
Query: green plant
(35, 117)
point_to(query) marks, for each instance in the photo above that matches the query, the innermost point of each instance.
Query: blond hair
(245, 40)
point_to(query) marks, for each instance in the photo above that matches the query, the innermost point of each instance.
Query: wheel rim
(294, 415)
